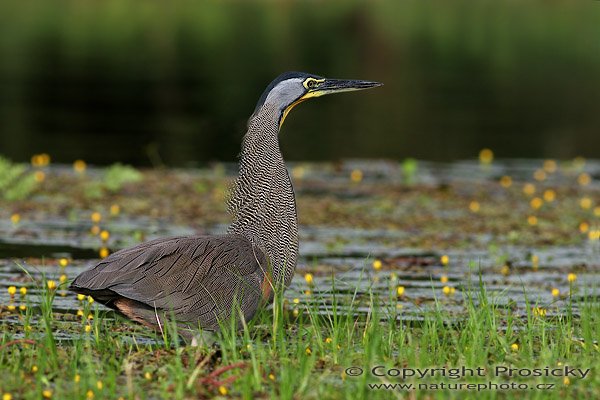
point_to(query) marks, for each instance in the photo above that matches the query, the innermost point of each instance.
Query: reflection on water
(458, 77)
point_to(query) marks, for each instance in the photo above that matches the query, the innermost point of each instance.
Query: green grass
(297, 351)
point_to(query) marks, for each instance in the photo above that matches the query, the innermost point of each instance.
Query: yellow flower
(90, 299)
(555, 292)
(12, 290)
(79, 166)
(63, 262)
(377, 264)
(532, 220)
(506, 181)
(77, 378)
(550, 166)
(11, 307)
(566, 381)
(104, 252)
(308, 278)
(539, 311)
(536, 203)
(99, 385)
(22, 307)
(446, 290)
(445, 260)
(585, 203)
(89, 394)
(474, 206)
(104, 235)
(51, 284)
(96, 217)
(584, 179)
(597, 211)
(308, 351)
(549, 195)
(539, 175)
(45, 159)
(88, 328)
(505, 270)
(81, 297)
(307, 292)
(486, 156)
(23, 291)
(115, 209)
(272, 377)
(444, 279)
(356, 176)
(40, 160)
(15, 218)
(571, 277)
(296, 300)
(328, 340)
(39, 176)
(47, 394)
(95, 230)
(584, 227)
(147, 376)
(514, 347)
(90, 316)
(400, 290)
(63, 278)
(529, 189)
(535, 262)
(7, 396)
(34, 368)
(594, 235)
(80, 313)
(223, 390)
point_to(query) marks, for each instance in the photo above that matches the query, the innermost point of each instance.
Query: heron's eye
(311, 84)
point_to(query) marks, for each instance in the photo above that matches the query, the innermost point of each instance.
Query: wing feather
(201, 279)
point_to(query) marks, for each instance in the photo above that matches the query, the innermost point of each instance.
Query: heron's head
(292, 88)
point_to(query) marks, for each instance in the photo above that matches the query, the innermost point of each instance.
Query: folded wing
(200, 279)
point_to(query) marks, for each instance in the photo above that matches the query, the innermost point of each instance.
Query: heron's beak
(338, 86)
(328, 86)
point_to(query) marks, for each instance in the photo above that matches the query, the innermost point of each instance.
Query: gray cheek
(285, 93)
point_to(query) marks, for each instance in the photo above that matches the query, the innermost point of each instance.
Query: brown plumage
(198, 278)
(202, 281)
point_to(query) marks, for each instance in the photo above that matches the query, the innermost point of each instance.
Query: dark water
(176, 84)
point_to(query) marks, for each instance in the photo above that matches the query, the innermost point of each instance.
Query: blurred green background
(148, 82)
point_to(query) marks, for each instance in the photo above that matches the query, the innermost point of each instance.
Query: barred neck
(262, 204)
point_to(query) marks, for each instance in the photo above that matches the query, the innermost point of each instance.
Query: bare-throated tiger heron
(204, 280)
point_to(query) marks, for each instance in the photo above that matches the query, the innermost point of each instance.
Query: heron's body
(205, 280)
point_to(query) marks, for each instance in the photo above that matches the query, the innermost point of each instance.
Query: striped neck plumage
(262, 204)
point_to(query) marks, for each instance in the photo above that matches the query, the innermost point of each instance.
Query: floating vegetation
(17, 182)
(447, 271)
